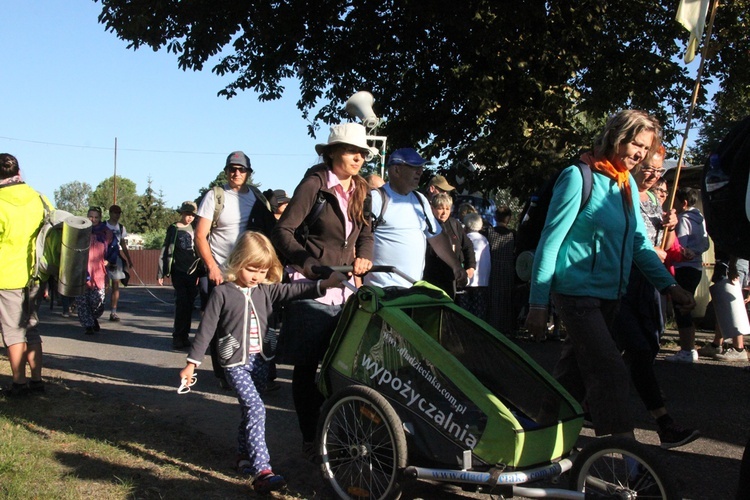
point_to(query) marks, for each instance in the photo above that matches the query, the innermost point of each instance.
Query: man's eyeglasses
(658, 172)
(231, 170)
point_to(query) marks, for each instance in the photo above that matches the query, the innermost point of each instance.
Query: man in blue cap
(406, 224)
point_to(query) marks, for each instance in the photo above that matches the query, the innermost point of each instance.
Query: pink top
(335, 295)
(101, 237)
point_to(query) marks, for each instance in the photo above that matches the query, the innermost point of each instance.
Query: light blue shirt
(401, 240)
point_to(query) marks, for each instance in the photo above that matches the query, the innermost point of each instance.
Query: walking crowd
(610, 263)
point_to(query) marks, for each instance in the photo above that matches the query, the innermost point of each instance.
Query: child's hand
(335, 280)
(187, 372)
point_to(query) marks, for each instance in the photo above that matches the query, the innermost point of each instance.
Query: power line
(102, 148)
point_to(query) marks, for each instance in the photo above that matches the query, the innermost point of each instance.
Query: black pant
(307, 400)
(185, 291)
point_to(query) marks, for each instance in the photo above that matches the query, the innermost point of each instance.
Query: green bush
(153, 240)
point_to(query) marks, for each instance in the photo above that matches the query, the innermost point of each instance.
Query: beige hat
(439, 182)
(353, 134)
(188, 207)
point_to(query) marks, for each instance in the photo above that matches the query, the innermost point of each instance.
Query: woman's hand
(682, 299)
(536, 323)
(669, 220)
(361, 266)
(661, 253)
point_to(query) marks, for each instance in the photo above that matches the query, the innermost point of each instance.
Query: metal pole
(114, 179)
(696, 88)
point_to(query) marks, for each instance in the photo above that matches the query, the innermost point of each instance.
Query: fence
(146, 264)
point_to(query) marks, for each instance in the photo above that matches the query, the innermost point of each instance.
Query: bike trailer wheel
(362, 445)
(615, 467)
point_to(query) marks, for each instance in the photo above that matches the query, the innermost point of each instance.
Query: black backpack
(534, 216)
(724, 190)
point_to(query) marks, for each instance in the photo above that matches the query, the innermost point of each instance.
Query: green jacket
(21, 217)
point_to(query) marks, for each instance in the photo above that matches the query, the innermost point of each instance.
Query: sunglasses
(231, 170)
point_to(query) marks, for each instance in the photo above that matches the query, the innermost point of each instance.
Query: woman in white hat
(323, 225)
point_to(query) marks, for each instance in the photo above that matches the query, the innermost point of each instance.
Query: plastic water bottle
(716, 178)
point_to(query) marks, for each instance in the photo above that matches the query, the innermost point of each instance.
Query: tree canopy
(517, 87)
(127, 199)
(73, 197)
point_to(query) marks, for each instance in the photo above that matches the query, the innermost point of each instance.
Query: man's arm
(202, 229)
(124, 248)
(441, 244)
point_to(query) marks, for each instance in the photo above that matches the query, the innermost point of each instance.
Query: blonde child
(238, 311)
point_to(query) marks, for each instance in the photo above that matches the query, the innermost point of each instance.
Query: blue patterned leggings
(251, 439)
(90, 306)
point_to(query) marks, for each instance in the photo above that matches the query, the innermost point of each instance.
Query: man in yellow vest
(21, 217)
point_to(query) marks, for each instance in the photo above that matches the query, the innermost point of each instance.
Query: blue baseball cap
(406, 156)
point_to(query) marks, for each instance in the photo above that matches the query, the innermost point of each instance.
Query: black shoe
(15, 390)
(270, 387)
(89, 330)
(36, 385)
(180, 344)
(673, 436)
(96, 325)
(224, 384)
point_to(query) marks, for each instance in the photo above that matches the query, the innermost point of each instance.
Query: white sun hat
(353, 134)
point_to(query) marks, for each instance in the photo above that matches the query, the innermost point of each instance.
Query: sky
(69, 88)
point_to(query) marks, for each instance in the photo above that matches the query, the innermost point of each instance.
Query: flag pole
(694, 100)
(114, 179)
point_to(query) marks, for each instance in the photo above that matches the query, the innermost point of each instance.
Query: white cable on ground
(147, 287)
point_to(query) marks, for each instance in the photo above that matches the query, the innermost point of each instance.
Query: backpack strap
(260, 197)
(303, 231)
(41, 236)
(218, 204)
(171, 249)
(377, 221)
(588, 182)
(386, 198)
(424, 211)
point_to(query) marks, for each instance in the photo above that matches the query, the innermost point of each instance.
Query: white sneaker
(682, 356)
(709, 350)
(732, 355)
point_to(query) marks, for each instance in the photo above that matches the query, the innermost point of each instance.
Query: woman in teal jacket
(583, 261)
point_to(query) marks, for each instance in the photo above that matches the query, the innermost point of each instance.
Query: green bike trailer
(464, 395)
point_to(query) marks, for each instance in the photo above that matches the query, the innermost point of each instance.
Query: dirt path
(133, 361)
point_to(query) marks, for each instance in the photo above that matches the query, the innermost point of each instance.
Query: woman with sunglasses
(640, 325)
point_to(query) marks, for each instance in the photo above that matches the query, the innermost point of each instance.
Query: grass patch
(69, 444)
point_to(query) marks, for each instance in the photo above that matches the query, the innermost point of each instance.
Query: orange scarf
(604, 167)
